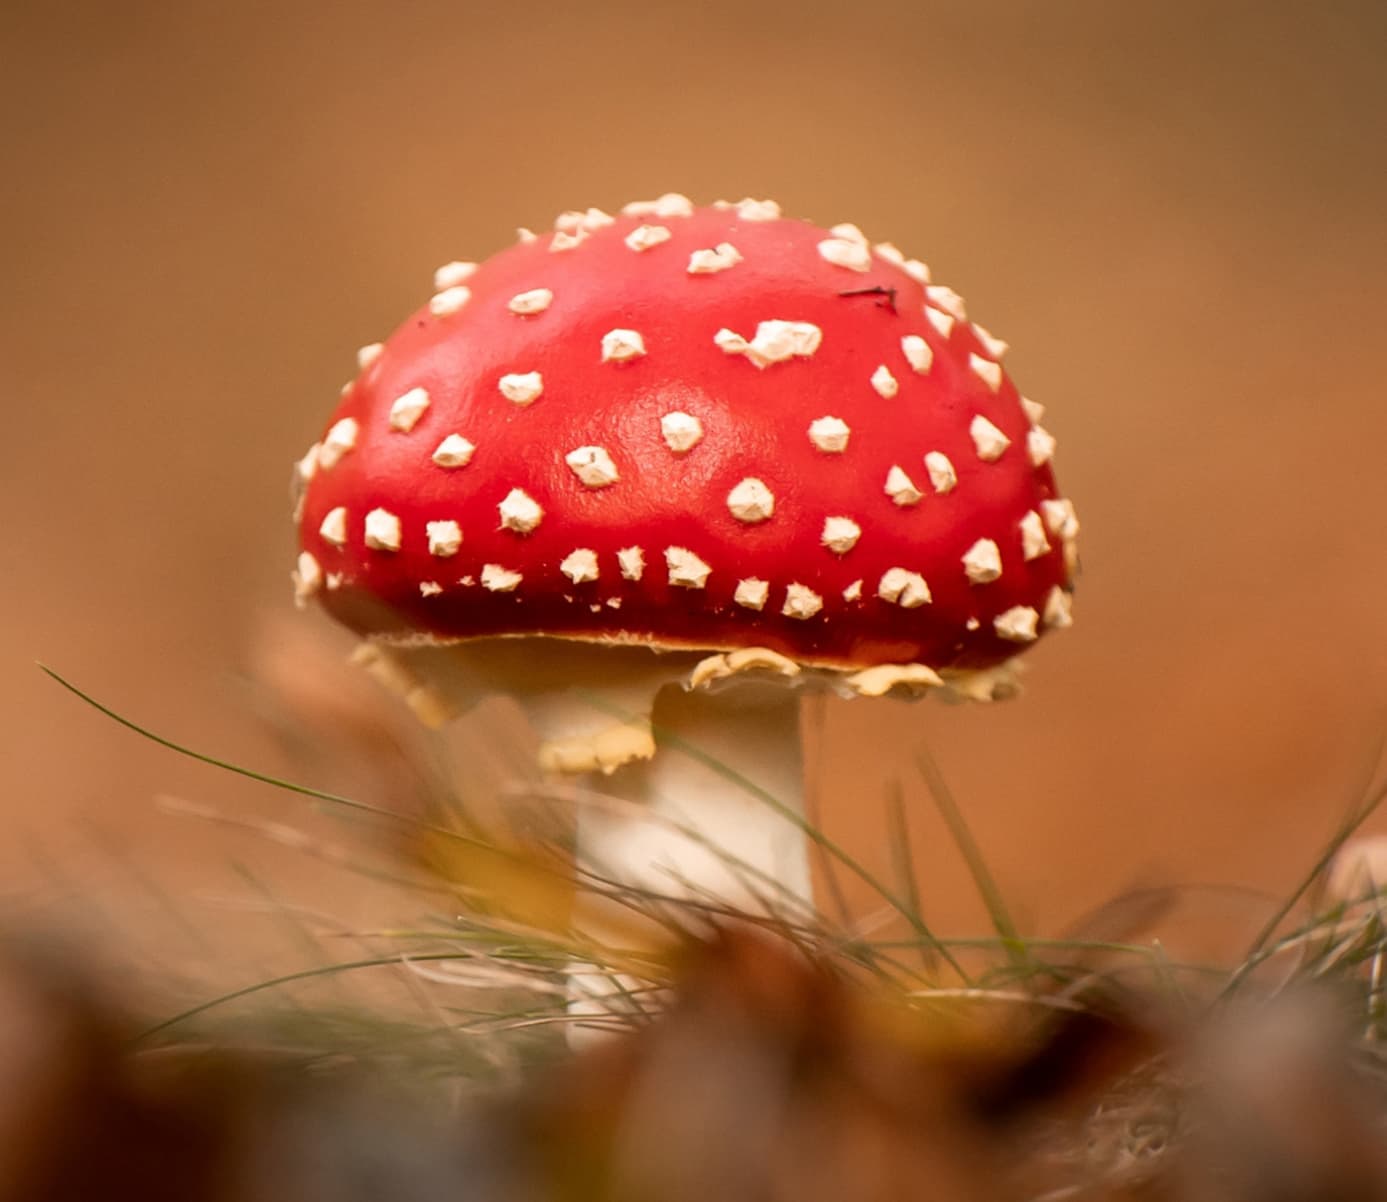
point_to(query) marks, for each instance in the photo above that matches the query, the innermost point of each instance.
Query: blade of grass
(292, 923)
(815, 711)
(334, 799)
(520, 856)
(1167, 978)
(103, 839)
(903, 864)
(811, 831)
(819, 838)
(88, 905)
(276, 832)
(1256, 952)
(269, 983)
(213, 761)
(1000, 914)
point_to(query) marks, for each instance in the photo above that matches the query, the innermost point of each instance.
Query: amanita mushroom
(709, 453)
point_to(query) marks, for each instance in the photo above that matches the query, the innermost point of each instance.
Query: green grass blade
(213, 761)
(820, 839)
(320, 795)
(395, 960)
(1256, 953)
(903, 863)
(968, 848)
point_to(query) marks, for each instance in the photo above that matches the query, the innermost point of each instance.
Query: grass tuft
(485, 961)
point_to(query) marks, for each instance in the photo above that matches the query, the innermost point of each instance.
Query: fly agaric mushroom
(707, 453)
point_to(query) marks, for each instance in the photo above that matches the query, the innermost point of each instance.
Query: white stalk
(703, 807)
(707, 801)
(713, 819)
(717, 815)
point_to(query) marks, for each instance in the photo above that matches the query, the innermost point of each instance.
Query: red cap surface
(692, 428)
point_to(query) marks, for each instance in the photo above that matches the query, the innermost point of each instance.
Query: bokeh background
(1173, 210)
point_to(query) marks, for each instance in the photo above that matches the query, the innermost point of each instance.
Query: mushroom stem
(705, 784)
(697, 793)
(717, 814)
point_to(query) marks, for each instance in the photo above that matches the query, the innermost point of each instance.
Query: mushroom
(690, 462)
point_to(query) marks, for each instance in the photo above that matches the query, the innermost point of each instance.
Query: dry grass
(1091, 1065)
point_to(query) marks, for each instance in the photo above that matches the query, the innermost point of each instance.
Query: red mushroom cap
(687, 428)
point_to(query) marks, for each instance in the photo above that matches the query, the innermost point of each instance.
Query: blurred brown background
(1173, 210)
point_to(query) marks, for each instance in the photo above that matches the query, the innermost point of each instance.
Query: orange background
(1173, 211)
